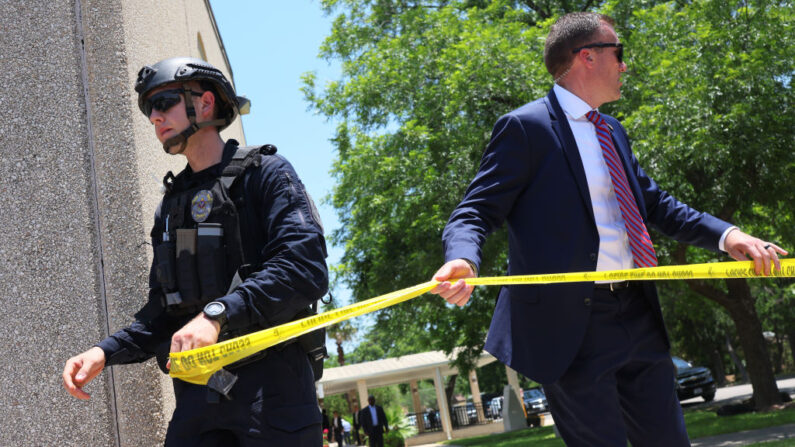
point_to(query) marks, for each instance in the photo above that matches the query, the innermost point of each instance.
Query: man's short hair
(570, 31)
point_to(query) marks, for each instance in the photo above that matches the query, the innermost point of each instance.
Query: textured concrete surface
(79, 177)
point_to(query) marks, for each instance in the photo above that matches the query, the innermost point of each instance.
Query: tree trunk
(340, 353)
(778, 363)
(717, 366)
(791, 338)
(743, 312)
(449, 389)
(738, 364)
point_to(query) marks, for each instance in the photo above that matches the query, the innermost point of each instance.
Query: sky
(270, 44)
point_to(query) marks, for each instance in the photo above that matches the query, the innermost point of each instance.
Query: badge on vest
(201, 205)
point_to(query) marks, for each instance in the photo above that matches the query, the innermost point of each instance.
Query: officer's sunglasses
(164, 100)
(619, 46)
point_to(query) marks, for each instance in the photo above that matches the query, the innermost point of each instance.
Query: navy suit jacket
(366, 419)
(531, 177)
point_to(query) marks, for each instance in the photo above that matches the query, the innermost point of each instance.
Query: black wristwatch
(216, 310)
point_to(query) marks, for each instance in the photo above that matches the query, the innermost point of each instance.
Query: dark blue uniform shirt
(278, 223)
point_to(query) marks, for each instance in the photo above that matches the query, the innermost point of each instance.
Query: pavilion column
(361, 385)
(513, 381)
(475, 389)
(354, 398)
(415, 398)
(441, 399)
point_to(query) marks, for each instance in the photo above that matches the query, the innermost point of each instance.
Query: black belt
(612, 286)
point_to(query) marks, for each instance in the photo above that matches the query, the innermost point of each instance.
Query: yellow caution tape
(197, 365)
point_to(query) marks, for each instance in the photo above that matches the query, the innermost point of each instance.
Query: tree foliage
(421, 88)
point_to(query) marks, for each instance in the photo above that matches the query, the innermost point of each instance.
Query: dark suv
(692, 381)
(535, 403)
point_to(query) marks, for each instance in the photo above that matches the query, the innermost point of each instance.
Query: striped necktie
(639, 240)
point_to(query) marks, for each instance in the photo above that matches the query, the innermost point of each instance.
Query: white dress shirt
(614, 250)
(373, 415)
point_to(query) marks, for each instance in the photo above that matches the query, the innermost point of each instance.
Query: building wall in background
(79, 182)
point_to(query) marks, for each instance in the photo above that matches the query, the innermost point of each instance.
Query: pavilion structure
(357, 378)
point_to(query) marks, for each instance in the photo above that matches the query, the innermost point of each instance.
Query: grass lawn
(699, 424)
(781, 443)
(707, 423)
(537, 437)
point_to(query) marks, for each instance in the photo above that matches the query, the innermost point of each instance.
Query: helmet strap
(183, 136)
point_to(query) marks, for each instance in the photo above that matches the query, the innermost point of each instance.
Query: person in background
(346, 431)
(374, 422)
(337, 428)
(355, 417)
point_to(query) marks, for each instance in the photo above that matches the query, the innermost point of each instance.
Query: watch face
(214, 309)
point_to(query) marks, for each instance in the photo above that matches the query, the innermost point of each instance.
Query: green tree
(709, 104)
(420, 90)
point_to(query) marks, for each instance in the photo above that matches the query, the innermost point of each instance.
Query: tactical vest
(201, 257)
(200, 250)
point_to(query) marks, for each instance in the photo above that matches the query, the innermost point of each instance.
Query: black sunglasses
(619, 53)
(164, 100)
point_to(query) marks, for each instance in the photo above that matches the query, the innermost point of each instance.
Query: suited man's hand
(459, 292)
(741, 246)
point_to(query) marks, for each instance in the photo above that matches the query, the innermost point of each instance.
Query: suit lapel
(560, 126)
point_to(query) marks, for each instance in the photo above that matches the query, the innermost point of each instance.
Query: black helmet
(185, 69)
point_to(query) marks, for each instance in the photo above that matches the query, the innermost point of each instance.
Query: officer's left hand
(199, 332)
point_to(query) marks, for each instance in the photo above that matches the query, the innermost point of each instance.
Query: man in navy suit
(564, 179)
(373, 420)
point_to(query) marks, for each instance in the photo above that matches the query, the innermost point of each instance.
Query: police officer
(238, 248)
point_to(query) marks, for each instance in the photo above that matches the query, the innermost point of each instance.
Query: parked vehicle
(495, 407)
(429, 418)
(693, 381)
(472, 412)
(535, 401)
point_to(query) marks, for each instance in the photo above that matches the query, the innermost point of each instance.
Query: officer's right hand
(459, 292)
(197, 333)
(81, 369)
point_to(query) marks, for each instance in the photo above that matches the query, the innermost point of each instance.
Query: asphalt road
(736, 394)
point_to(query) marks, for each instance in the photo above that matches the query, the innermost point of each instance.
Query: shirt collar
(215, 170)
(571, 104)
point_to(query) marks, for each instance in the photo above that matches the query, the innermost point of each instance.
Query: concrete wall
(79, 181)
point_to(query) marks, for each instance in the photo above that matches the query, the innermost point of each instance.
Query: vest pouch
(165, 266)
(212, 261)
(187, 276)
(313, 343)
